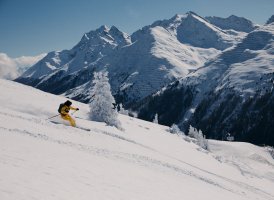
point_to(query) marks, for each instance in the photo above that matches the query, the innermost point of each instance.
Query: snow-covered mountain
(60, 71)
(231, 94)
(198, 32)
(92, 47)
(212, 73)
(43, 160)
(233, 22)
(139, 64)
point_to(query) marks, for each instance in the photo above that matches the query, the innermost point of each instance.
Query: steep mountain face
(60, 71)
(156, 58)
(196, 31)
(233, 22)
(138, 65)
(160, 54)
(232, 94)
(270, 20)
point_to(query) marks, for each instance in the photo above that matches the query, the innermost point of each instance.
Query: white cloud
(11, 68)
(8, 69)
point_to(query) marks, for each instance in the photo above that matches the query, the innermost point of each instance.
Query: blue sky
(31, 27)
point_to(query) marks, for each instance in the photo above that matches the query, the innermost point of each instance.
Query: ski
(78, 127)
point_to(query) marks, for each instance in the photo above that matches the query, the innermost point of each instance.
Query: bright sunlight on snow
(43, 160)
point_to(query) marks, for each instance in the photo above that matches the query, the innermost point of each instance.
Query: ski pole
(73, 112)
(52, 117)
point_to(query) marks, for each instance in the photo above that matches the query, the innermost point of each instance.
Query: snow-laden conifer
(200, 138)
(122, 110)
(174, 129)
(101, 106)
(155, 120)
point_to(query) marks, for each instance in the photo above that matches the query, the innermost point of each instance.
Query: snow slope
(233, 22)
(42, 160)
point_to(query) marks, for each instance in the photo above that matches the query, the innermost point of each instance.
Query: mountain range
(213, 73)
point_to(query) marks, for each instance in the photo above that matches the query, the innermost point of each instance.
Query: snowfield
(42, 160)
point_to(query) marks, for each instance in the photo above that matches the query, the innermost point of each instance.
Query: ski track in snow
(141, 160)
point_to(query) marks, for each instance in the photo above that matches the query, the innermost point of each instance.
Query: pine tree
(123, 111)
(101, 107)
(155, 120)
(200, 138)
(174, 129)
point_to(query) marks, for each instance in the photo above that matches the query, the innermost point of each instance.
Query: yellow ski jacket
(65, 109)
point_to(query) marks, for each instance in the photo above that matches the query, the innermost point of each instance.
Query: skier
(64, 109)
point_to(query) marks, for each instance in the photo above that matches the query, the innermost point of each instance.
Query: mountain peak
(91, 34)
(192, 13)
(114, 28)
(103, 28)
(234, 17)
(176, 17)
(270, 20)
(115, 31)
(197, 31)
(121, 37)
(232, 22)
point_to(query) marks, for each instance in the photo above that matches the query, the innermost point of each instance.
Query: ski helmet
(68, 103)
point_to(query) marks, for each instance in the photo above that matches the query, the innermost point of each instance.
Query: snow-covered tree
(155, 120)
(229, 137)
(122, 110)
(200, 138)
(174, 129)
(101, 107)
